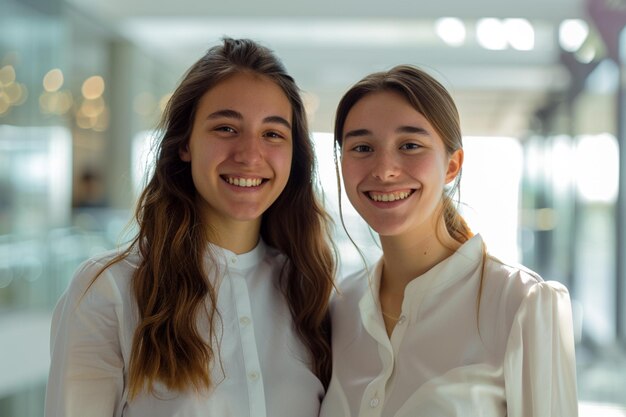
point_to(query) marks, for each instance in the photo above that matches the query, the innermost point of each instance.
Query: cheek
(433, 168)
(282, 162)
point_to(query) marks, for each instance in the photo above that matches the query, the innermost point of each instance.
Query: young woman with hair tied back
(219, 305)
(438, 326)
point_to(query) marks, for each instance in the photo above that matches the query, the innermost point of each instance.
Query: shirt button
(233, 260)
(244, 321)
(253, 376)
(374, 403)
(401, 319)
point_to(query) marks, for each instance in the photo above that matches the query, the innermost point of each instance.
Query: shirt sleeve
(87, 370)
(539, 363)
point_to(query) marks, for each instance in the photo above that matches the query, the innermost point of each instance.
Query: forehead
(384, 108)
(247, 89)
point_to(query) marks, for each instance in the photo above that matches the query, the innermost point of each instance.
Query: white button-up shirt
(515, 359)
(264, 369)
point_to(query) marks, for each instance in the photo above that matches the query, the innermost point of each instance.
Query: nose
(386, 166)
(248, 149)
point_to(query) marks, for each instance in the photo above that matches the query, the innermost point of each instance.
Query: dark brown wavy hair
(170, 285)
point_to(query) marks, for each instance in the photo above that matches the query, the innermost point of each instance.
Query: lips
(389, 196)
(243, 181)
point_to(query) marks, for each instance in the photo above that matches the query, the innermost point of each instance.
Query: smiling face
(395, 165)
(240, 149)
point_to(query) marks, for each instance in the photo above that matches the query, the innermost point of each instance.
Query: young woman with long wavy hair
(438, 326)
(218, 307)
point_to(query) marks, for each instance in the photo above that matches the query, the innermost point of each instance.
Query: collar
(454, 268)
(226, 258)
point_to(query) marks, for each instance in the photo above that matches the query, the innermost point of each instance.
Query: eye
(272, 134)
(225, 129)
(410, 146)
(362, 148)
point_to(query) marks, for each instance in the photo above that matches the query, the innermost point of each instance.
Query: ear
(455, 162)
(184, 153)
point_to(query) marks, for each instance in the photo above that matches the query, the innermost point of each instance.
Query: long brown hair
(431, 99)
(170, 285)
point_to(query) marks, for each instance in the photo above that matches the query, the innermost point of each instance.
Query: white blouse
(515, 359)
(264, 370)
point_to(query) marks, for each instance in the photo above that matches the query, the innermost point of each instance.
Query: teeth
(244, 182)
(390, 197)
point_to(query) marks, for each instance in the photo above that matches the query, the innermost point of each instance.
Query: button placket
(251, 360)
(374, 402)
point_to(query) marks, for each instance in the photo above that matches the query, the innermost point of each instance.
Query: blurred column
(119, 179)
(137, 80)
(610, 19)
(125, 72)
(579, 72)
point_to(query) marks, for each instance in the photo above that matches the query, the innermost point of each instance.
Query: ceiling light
(491, 34)
(572, 34)
(520, 34)
(451, 30)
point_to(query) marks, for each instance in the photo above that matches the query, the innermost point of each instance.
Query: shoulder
(103, 276)
(509, 277)
(511, 286)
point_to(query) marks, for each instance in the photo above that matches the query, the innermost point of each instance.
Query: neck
(408, 256)
(236, 236)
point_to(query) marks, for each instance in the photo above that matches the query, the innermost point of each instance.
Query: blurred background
(539, 85)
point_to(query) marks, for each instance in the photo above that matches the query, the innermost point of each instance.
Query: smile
(388, 197)
(243, 182)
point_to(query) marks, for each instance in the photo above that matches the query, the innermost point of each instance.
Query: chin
(387, 229)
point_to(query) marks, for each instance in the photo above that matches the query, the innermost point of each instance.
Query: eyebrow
(357, 133)
(233, 114)
(401, 129)
(412, 129)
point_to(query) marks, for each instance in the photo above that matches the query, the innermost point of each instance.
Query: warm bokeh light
(7, 75)
(83, 121)
(92, 108)
(22, 95)
(4, 104)
(65, 102)
(13, 92)
(58, 102)
(102, 121)
(93, 87)
(53, 80)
